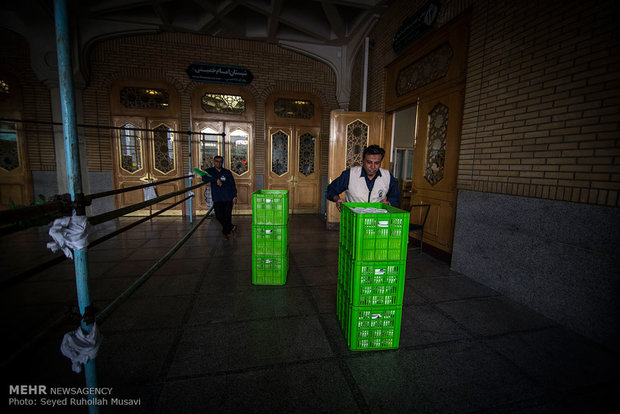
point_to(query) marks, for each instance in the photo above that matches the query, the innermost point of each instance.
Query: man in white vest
(367, 183)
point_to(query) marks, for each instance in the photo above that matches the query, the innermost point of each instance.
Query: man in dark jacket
(224, 194)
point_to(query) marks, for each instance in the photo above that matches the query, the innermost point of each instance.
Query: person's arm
(393, 195)
(209, 177)
(336, 187)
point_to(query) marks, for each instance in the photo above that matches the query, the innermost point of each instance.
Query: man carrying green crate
(367, 183)
(224, 193)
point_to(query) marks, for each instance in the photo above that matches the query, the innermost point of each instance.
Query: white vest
(358, 190)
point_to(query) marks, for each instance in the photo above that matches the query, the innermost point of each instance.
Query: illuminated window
(239, 151)
(293, 108)
(219, 103)
(209, 147)
(144, 98)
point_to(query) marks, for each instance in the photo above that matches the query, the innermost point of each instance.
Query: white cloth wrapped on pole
(80, 347)
(369, 210)
(69, 233)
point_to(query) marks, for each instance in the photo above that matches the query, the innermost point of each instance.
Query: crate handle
(377, 316)
(267, 261)
(379, 271)
(384, 223)
(269, 200)
(268, 231)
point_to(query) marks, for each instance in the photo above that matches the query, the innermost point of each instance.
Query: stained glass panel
(436, 143)
(208, 147)
(306, 154)
(164, 148)
(144, 98)
(357, 140)
(219, 103)
(293, 108)
(131, 150)
(279, 153)
(9, 153)
(239, 151)
(425, 70)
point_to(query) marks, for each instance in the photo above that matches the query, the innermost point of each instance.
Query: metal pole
(72, 156)
(189, 142)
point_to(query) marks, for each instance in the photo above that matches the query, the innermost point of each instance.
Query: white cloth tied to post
(69, 233)
(369, 210)
(80, 347)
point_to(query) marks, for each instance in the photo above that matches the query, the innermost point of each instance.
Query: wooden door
(147, 156)
(435, 165)
(130, 159)
(164, 162)
(306, 180)
(350, 133)
(293, 165)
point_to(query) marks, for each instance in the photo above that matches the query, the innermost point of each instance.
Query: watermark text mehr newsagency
(45, 390)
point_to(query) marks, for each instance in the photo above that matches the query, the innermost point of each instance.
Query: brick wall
(166, 56)
(542, 102)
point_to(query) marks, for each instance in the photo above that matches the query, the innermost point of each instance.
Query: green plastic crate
(270, 207)
(342, 260)
(269, 269)
(375, 236)
(269, 239)
(373, 283)
(372, 328)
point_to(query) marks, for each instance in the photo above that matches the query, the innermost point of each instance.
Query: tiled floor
(199, 337)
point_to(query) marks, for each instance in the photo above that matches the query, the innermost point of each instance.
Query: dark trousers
(223, 214)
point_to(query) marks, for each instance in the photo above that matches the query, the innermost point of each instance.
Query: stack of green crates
(269, 237)
(371, 275)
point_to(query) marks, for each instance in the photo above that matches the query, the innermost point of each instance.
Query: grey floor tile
(127, 269)
(319, 274)
(138, 355)
(559, 359)
(214, 307)
(182, 284)
(314, 387)
(148, 313)
(411, 297)
(218, 264)
(311, 260)
(424, 325)
(493, 316)
(438, 289)
(39, 292)
(241, 345)
(324, 297)
(458, 378)
(154, 253)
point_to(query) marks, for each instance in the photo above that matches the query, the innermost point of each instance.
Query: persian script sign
(206, 72)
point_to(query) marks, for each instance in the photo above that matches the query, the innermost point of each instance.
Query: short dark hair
(373, 150)
(218, 156)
